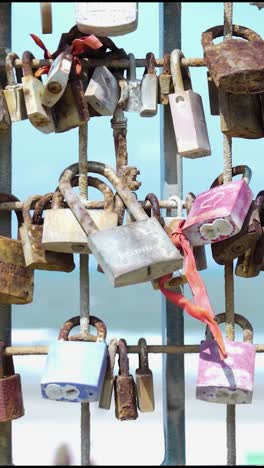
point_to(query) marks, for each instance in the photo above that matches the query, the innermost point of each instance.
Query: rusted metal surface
(11, 398)
(224, 60)
(75, 321)
(124, 387)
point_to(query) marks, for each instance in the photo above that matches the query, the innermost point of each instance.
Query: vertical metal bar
(84, 294)
(5, 218)
(172, 316)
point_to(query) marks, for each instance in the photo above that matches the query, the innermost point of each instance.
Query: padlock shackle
(123, 360)
(28, 220)
(151, 63)
(237, 30)
(179, 202)
(13, 76)
(109, 198)
(131, 73)
(180, 74)
(166, 64)
(189, 199)
(27, 58)
(155, 208)
(236, 170)
(40, 206)
(75, 321)
(239, 320)
(73, 201)
(8, 197)
(143, 354)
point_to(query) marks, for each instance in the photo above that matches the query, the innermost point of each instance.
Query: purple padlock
(219, 213)
(228, 381)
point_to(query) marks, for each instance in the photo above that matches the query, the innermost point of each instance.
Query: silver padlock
(187, 113)
(75, 369)
(102, 92)
(128, 254)
(39, 115)
(57, 79)
(149, 89)
(134, 86)
(13, 91)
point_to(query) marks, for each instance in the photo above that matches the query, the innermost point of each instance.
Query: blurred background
(133, 311)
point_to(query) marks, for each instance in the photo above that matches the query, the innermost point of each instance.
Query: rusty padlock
(40, 116)
(187, 113)
(247, 237)
(108, 385)
(149, 89)
(229, 381)
(140, 251)
(16, 280)
(36, 257)
(76, 365)
(63, 233)
(219, 213)
(102, 92)
(165, 81)
(235, 65)
(13, 91)
(11, 397)
(144, 380)
(124, 387)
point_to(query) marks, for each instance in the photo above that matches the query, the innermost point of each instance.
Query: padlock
(5, 122)
(75, 369)
(71, 110)
(13, 91)
(251, 231)
(149, 89)
(124, 387)
(229, 381)
(16, 280)
(219, 213)
(187, 113)
(235, 65)
(106, 19)
(36, 257)
(241, 115)
(57, 79)
(165, 81)
(144, 380)
(11, 397)
(140, 251)
(213, 95)
(102, 92)
(61, 230)
(134, 85)
(39, 115)
(178, 278)
(108, 385)
(198, 250)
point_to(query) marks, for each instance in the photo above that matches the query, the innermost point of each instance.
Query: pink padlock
(219, 213)
(228, 381)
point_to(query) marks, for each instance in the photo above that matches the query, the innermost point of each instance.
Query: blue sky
(39, 159)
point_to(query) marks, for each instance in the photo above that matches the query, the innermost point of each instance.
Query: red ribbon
(202, 309)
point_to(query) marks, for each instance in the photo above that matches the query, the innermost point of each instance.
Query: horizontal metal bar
(121, 63)
(132, 349)
(96, 204)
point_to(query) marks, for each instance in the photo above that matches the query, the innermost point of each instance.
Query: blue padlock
(75, 369)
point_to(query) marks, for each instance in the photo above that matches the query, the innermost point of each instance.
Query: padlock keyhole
(179, 99)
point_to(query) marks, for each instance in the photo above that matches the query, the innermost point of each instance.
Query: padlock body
(229, 202)
(11, 398)
(140, 251)
(106, 19)
(145, 390)
(102, 92)
(134, 98)
(125, 398)
(38, 115)
(149, 95)
(189, 124)
(247, 266)
(241, 116)
(106, 393)
(229, 381)
(16, 280)
(36, 257)
(164, 88)
(4, 114)
(63, 233)
(15, 102)
(67, 113)
(57, 79)
(74, 371)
